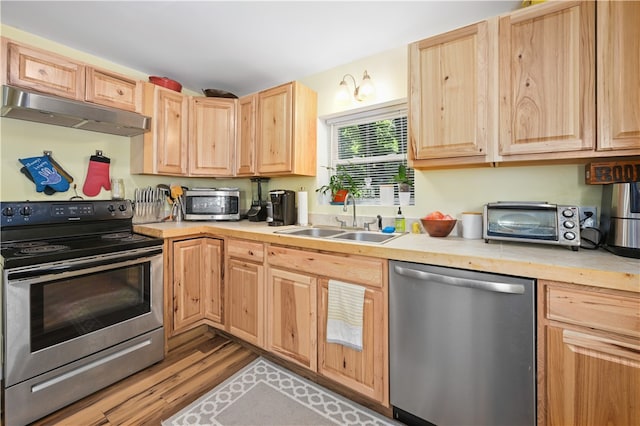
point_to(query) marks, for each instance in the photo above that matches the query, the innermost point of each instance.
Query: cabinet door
(197, 282)
(44, 72)
(109, 89)
(189, 304)
(449, 95)
(591, 380)
(212, 136)
(547, 81)
(170, 131)
(291, 317)
(618, 88)
(245, 300)
(275, 108)
(211, 279)
(246, 136)
(363, 371)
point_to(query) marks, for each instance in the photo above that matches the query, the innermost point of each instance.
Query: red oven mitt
(97, 176)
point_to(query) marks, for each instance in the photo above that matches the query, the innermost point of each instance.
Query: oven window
(523, 223)
(64, 309)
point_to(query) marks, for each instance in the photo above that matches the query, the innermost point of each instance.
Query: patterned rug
(264, 393)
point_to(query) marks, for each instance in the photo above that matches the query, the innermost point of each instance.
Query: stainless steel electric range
(81, 302)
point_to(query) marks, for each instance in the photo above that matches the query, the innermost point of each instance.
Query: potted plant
(404, 185)
(340, 183)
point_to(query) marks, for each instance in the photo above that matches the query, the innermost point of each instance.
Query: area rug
(264, 393)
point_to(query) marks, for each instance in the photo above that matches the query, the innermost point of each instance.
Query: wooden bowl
(438, 228)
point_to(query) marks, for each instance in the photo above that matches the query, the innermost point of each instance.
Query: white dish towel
(344, 316)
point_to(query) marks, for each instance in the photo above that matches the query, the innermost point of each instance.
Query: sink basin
(367, 237)
(313, 232)
(360, 236)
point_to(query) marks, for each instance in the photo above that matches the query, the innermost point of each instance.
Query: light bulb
(366, 90)
(343, 96)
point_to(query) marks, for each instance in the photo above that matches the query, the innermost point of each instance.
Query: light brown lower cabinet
(291, 316)
(589, 356)
(362, 371)
(197, 283)
(245, 291)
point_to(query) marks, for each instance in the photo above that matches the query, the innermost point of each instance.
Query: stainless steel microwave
(532, 222)
(212, 204)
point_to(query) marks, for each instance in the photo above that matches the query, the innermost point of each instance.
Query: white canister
(472, 225)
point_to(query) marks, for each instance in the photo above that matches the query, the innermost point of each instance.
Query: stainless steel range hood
(32, 106)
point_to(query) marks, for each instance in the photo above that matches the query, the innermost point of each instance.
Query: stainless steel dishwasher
(462, 346)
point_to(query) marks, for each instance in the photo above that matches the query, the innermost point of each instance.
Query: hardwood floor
(161, 390)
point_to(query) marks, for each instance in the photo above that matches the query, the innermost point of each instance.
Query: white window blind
(371, 145)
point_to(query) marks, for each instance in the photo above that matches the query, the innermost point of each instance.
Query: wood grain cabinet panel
(292, 317)
(286, 130)
(212, 136)
(449, 97)
(363, 371)
(618, 32)
(42, 71)
(245, 291)
(588, 355)
(246, 136)
(112, 90)
(547, 79)
(196, 283)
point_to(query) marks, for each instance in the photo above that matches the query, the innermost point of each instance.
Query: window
(371, 145)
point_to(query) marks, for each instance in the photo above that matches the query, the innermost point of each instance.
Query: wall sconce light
(365, 91)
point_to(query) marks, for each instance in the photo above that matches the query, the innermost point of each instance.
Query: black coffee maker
(283, 207)
(258, 210)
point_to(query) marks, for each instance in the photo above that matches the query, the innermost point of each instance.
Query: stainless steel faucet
(344, 208)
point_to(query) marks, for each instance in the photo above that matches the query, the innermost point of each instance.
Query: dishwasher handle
(461, 282)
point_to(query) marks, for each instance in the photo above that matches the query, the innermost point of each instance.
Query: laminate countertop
(597, 268)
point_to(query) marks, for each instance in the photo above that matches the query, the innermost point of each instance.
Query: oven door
(60, 312)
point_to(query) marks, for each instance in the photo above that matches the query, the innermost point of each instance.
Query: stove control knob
(26, 211)
(8, 211)
(111, 208)
(122, 207)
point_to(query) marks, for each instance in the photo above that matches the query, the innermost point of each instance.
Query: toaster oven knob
(567, 213)
(569, 224)
(569, 236)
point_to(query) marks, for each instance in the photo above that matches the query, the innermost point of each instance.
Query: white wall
(450, 191)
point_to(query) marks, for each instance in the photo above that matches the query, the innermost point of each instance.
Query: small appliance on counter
(283, 209)
(532, 222)
(258, 210)
(620, 218)
(212, 204)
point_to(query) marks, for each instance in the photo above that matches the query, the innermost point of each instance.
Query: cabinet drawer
(44, 72)
(607, 312)
(246, 250)
(112, 90)
(352, 269)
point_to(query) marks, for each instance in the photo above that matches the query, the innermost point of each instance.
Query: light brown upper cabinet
(246, 135)
(163, 150)
(618, 88)
(36, 69)
(449, 81)
(286, 131)
(212, 136)
(547, 80)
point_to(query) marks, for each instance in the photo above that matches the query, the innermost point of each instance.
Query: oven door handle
(82, 267)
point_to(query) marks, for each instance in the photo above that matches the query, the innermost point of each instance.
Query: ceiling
(240, 46)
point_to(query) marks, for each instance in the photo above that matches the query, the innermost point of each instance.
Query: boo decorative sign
(613, 172)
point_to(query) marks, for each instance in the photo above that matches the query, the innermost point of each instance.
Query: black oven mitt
(44, 174)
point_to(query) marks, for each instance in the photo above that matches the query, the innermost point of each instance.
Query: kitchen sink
(367, 237)
(313, 232)
(360, 236)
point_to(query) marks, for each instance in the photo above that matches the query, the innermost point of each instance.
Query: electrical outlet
(588, 217)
